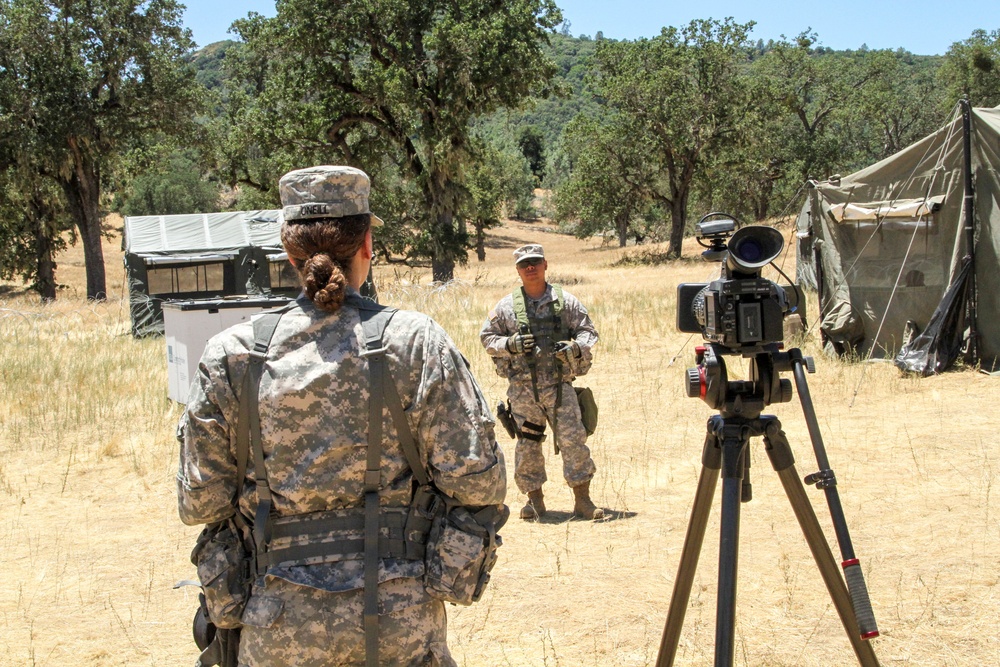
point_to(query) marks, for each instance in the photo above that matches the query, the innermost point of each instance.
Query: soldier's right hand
(520, 343)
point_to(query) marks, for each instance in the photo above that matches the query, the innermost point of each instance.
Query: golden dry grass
(91, 545)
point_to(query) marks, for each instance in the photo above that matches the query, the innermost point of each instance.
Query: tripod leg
(783, 462)
(734, 446)
(711, 460)
(826, 480)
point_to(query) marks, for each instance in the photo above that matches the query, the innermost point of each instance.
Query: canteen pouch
(224, 572)
(588, 408)
(461, 552)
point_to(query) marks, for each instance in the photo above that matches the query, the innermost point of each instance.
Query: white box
(189, 324)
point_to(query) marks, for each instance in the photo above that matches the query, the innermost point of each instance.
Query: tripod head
(710, 381)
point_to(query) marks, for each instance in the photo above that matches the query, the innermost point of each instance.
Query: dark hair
(322, 249)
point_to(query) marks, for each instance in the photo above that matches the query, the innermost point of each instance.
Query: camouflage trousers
(529, 460)
(322, 629)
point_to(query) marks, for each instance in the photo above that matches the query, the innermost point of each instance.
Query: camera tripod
(726, 449)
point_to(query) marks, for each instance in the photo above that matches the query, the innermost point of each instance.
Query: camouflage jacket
(502, 323)
(314, 427)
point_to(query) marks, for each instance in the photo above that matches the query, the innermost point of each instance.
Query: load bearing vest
(547, 332)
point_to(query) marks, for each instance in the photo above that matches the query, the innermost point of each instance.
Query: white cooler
(189, 324)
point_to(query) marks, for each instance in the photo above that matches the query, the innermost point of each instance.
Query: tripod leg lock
(823, 479)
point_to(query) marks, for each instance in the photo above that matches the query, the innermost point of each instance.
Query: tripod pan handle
(859, 598)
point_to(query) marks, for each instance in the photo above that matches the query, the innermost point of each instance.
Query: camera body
(735, 313)
(741, 311)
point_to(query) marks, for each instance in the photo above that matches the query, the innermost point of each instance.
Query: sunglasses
(534, 261)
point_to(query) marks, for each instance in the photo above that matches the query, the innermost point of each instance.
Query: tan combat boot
(535, 508)
(584, 507)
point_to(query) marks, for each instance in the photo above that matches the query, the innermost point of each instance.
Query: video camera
(740, 311)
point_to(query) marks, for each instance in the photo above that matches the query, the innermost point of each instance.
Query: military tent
(905, 254)
(204, 255)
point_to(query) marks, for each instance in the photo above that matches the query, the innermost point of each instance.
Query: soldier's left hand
(564, 349)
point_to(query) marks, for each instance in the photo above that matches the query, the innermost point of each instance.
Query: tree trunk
(442, 270)
(762, 202)
(83, 192)
(443, 261)
(678, 220)
(480, 241)
(621, 224)
(45, 274)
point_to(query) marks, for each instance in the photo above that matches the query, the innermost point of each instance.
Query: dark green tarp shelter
(899, 273)
(202, 255)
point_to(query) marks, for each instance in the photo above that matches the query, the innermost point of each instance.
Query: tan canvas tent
(905, 254)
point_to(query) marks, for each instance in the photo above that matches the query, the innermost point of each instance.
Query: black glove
(521, 343)
(565, 349)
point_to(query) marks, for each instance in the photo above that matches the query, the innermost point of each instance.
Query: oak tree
(81, 82)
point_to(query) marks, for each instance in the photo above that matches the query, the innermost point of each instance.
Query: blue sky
(920, 26)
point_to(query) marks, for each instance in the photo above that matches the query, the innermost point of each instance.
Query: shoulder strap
(519, 296)
(374, 320)
(383, 389)
(557, 307)
(373, 324)
(520, 309)
(251, 380)
(264, 327)
(382, 392)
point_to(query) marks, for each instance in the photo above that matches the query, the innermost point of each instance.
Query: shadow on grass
(559, 516)
(500, 241)
(12, 291)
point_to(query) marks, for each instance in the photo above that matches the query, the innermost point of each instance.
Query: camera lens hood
(754, 247)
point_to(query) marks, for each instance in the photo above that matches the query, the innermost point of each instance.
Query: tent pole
(970, 232)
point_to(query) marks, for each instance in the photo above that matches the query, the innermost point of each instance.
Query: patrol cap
(529, 251)
(325, 192)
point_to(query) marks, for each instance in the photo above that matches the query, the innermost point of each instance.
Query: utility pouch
(506, 419)
(588, 408)
(426, 506)
(461, 552)
(224, 572)
(218, 646)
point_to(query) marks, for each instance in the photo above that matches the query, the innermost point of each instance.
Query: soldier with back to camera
(331, 488)
(540, 338)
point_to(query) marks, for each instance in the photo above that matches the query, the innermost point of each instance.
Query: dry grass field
(91, 546)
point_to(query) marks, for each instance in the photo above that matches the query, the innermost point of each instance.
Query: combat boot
(535, 507)
(584, 507)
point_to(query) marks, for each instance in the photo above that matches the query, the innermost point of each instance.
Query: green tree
(30, 236)
(532, 145)
(683, 94)
(817, 112)
(904, 104)
(819, 89)
(84, 81)
(499, 180)
(343, 79)
(608, 179)
(172, 185)
(972, 69)
(570, 96)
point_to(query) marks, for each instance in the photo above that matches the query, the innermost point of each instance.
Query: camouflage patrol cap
(325, 192)
(528, 252)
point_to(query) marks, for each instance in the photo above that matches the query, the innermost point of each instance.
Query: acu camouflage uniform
(314, 424)
(529, 461)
